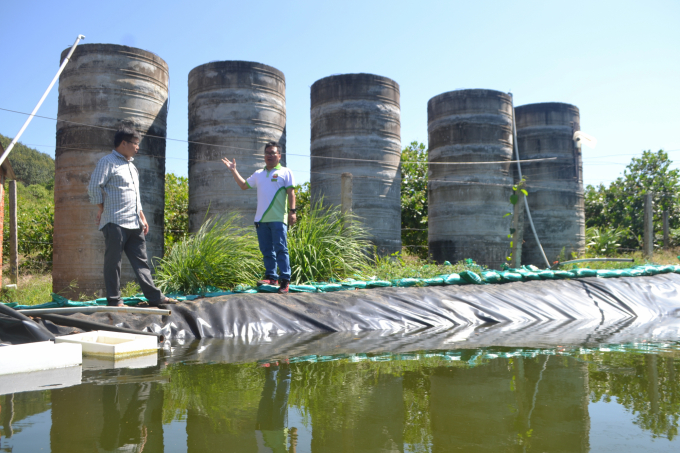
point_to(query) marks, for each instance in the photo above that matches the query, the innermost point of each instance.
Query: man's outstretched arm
(237, 177)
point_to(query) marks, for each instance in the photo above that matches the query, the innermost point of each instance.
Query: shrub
(221, 254)
(327, 244)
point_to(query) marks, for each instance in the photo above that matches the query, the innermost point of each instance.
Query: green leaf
(513, 198)
(526, 194)
(507, 214)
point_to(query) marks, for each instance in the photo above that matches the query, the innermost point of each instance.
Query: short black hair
(124, 134)
(276, 145)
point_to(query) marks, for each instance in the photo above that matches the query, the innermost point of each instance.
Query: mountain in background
(30, 165)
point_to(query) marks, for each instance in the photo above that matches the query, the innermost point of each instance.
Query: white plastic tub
(42, 355)
(115, 345)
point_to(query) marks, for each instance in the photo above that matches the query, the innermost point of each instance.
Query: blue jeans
(272, 237)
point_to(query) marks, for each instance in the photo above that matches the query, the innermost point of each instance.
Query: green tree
(30, 165)
(176, 209)
(303, 199)
(621, 205)
(414, 198)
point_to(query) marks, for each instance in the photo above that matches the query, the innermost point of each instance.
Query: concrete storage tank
(238, 106)
(105, 85)
(467, 202)
(555, 187)
(357, 116)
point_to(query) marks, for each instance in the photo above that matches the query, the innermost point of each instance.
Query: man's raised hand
(230, 165)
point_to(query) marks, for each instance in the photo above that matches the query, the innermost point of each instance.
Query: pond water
(564, 399)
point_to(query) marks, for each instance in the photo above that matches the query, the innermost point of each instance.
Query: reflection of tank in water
(502, 406)
(111, 417)
(376, 426)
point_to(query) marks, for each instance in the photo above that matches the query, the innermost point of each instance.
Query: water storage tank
(235, 108)
(467, 202)
(357, 117)
(555, 187)
(103, 86)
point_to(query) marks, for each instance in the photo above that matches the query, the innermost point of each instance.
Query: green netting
(454, 279)
(507, 277)
(546, 274)
(560, 274)
(435, 281)
(406, 282)
(491, 277)
(471, 277)
(579, 273)
(378, 284)
(303, 288)
(464, 278)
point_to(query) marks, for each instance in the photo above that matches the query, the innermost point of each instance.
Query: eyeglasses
(271, 153)
(133, 143)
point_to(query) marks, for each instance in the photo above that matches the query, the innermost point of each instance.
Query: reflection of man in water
(124, 428)
(272, 414)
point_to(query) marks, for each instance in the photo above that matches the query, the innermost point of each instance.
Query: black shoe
(285, 287)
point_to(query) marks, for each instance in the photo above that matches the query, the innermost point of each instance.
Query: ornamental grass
(326, 244)
(222, 254)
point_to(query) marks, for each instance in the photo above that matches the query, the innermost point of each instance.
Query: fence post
(13, 239)
(648, 237)
(518, 226)
(666, 232)
(346, 192)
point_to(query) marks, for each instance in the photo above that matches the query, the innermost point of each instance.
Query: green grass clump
(399, 266)
(221, 254)
(31, 290)
(326, 244)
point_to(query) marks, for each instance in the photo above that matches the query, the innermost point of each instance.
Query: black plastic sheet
(590, 301)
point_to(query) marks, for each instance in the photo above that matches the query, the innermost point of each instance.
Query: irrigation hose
(519, 170)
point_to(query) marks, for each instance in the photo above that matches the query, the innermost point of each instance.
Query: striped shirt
(115, 182)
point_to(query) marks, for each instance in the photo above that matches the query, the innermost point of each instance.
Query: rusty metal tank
(235, 108)
(467, 201)
(103, 86)
(555, 186)
(357, 117)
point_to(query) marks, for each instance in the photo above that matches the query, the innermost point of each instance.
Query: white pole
(35, 110)
(519, 170)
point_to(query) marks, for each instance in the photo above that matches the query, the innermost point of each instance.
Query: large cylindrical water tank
(356, 129)
(235, 108)
(103, 86)
(555, 186)
(467, 201)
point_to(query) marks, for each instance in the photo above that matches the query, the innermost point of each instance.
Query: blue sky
(618, 61)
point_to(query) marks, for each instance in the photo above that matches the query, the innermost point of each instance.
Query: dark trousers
(132, 242)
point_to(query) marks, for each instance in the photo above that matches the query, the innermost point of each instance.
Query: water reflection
(111, 417)
(488, 399)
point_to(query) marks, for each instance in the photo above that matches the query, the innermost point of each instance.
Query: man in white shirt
(275, 210)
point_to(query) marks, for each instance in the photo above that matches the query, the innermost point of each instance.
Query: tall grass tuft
(327, 244)
(221, 254)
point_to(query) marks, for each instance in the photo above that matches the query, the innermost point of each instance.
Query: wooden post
(13, 239)
(666, 232)
(346, 192)
(518, 226)
(648, 236)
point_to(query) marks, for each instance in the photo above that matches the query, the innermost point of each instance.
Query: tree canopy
(30, 165)
(621, 205)
(414, 198)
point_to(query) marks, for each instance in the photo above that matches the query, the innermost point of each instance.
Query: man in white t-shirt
(275, 210)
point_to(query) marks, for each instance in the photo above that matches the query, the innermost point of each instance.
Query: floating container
(467, 202)
(42, 355)
(32, 381)
(555, 187)
(235, 108)
(357, 117)
(113, 345)
(103, 86)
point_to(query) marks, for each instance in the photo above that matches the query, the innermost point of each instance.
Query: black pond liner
(601, 304)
